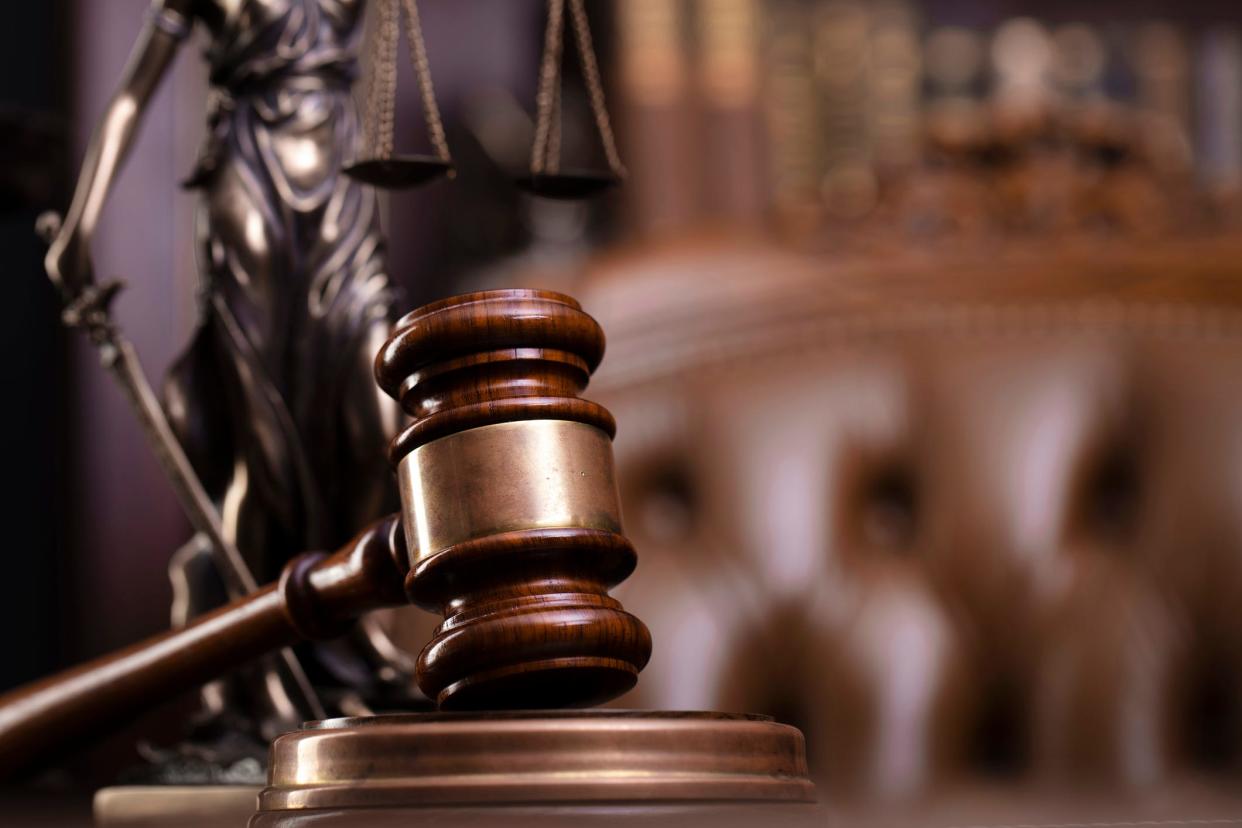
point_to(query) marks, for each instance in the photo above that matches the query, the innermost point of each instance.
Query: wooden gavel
(510, 527)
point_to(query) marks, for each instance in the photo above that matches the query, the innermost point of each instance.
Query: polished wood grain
(317, 597)
(528, 619)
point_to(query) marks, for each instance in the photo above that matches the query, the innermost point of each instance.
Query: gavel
(510, 528)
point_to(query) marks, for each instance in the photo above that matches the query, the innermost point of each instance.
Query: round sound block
(399, 173)
(411, 766)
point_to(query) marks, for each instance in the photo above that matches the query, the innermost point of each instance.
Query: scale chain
(422, 71)
(546, 149)
(595, 86)
(547, 97)
(381, 103)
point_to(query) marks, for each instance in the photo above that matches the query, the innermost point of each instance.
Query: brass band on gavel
(533, 474)
(509, 503)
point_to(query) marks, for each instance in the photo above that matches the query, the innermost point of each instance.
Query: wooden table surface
(1190, 804)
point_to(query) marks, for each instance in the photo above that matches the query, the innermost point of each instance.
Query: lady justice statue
(273, 401)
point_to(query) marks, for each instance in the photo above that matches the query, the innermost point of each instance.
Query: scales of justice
(508, 524)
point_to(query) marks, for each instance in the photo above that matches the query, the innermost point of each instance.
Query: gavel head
(509, 503)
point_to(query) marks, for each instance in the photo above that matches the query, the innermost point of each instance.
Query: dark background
(35, 375)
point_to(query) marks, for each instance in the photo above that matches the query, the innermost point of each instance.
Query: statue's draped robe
(294, 279)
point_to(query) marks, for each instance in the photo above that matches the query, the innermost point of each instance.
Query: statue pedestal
(182, 806)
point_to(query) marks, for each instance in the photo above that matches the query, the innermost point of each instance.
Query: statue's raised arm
(168, 24)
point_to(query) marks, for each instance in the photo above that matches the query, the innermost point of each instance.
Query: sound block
(607, 767)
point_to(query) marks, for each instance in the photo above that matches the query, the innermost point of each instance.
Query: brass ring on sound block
(531, 474)
(546, 757)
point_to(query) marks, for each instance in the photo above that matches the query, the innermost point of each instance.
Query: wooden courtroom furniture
(973, 501)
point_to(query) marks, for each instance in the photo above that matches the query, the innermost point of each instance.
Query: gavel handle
(316, 597)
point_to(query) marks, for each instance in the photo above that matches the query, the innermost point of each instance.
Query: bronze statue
(273, 401)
